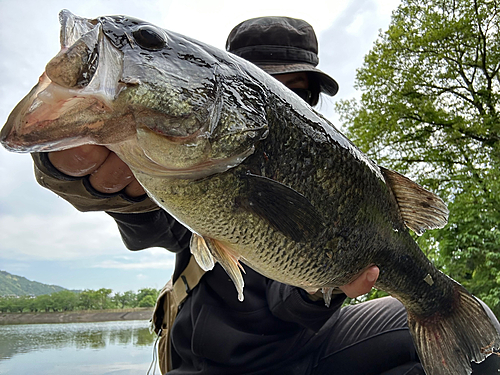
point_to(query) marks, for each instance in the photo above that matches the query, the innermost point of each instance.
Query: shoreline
(86, 316)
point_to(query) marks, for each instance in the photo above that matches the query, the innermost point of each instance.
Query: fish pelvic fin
(447, 343)
(420, 208)
(327, 295)
(229, 261)
(201, 252)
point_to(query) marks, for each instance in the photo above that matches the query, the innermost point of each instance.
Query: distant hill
(19, 286)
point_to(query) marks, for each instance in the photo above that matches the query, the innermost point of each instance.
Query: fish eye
(149, 38)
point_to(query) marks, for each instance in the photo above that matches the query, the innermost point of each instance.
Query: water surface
(118, 348)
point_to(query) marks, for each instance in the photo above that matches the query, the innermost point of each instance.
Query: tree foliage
(86, 300)
(430, 109)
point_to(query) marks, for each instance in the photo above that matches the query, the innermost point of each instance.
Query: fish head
(180, 106)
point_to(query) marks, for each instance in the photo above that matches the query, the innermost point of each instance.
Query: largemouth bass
(257, 175)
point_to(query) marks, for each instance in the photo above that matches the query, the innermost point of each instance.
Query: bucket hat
(280, 45)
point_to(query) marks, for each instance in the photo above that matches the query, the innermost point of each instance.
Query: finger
(134, 189)
(112, 176)
(79, 161)
(363, 284)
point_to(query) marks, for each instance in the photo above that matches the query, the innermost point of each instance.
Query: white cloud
(156, 264)
(152, 259)
(57, 237)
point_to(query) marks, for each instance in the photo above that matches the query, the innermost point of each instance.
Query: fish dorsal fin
(201, 252)
(229, 261)
(419, 208)
(282, 207)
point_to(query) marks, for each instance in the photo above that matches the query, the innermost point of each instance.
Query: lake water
(116, 348)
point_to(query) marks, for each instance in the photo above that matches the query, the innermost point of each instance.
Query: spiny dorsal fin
(419, 208)
(201, 252)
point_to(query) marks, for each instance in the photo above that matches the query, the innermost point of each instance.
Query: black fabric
(214, 333)
(280, 45)
(274, 39)
(377, 333)
(376, 359)
(489, 366)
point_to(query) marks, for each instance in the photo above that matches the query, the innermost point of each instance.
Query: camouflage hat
(280, 45)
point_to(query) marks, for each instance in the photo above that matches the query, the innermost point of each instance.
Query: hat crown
(274, 39)
(280, 45)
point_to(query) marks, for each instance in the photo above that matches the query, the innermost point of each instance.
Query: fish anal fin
(282, 207)
(201, 252)
(420, 208)
(229, 261)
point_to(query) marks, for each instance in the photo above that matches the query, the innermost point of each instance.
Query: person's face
(298, 83)
(298, 80)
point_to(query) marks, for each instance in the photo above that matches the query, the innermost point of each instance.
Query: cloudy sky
(42, 237)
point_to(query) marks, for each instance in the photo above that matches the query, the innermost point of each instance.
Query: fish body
(257, 175)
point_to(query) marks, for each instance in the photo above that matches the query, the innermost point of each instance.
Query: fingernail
(371, 277)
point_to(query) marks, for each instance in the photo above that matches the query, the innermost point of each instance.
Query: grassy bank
(76, 316)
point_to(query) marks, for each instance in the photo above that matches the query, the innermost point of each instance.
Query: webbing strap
(167, 307)
(188, 279)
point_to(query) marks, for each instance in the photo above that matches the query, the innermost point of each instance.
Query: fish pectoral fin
(229, 261)
(419, 208)
(282, 207)
(201, 252)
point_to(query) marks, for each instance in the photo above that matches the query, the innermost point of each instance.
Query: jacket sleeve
(155, 229)
(79, 192)
(293, 304)
(152, 229)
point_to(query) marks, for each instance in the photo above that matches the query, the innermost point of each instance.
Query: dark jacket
(272, 331)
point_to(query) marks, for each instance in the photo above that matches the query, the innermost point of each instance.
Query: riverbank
(77, 316)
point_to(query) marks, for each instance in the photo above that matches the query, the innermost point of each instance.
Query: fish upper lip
(100, 74)
(77, 62)
(73, 27)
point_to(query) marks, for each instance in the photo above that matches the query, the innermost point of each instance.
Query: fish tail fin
(447, 342)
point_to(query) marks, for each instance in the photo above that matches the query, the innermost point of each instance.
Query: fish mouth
(84, 77)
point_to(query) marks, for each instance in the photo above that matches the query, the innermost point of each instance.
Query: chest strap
(167, 307)
(188, 279)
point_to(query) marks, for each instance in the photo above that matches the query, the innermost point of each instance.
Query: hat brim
(327, 84)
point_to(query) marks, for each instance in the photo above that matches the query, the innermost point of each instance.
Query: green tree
(20, 304)
(64, 300)
(146, 297)
(88, 300)
(147, 301)
(6, 303)
(95, 299)
(430, 109)
(43, 303)
(125, 300)
(104, 298)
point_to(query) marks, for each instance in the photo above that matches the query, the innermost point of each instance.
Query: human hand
(108, 173)
(363, 284)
